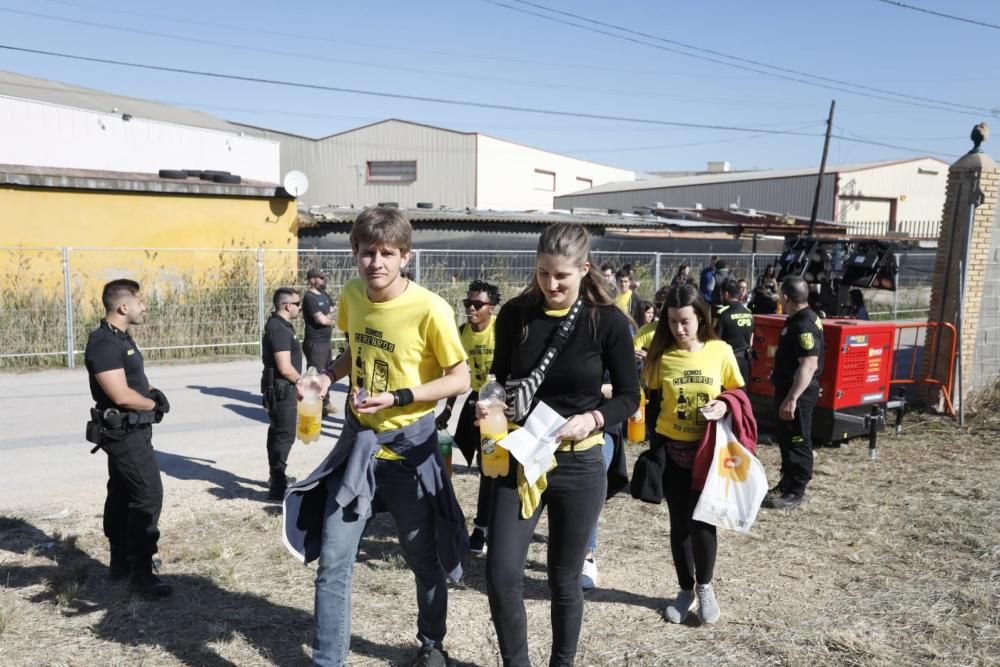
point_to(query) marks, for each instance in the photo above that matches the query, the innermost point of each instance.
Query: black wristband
(402, 397)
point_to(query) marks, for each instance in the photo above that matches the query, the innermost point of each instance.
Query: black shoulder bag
(521, 391)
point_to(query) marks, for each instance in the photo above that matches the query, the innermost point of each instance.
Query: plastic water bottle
(637, 421)
(492, 429)
(310, 408)
(445, 444)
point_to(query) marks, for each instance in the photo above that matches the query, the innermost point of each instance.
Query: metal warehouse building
(411, 163)
(897, 194)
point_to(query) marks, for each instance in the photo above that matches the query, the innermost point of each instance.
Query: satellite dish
(295, 183)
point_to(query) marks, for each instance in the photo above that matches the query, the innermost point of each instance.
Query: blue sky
(479, 51)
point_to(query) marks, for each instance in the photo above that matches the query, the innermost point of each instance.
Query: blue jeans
(398, 492)
(607, 452)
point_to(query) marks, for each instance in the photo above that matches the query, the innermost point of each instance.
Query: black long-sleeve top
(600, 341)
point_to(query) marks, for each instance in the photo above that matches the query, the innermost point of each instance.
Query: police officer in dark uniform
(734, 324)
(319, 323)
(121, 425)
(798, 364)
(282, 356)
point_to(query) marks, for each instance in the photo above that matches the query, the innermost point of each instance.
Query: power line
(399, 96)
(339, 42)
(952, 17)
(913, 100)
(446, 101)
(395, 68)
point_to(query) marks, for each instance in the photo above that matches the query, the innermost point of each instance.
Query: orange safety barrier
(935, 331)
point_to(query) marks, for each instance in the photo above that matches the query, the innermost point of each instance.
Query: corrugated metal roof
(730, 177)
(120, 181)
(331, 214)
(64, 94)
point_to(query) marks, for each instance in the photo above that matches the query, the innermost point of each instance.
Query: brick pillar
(973, 178)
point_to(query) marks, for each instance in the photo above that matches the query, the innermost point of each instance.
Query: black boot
(277, 483)
(143, 580)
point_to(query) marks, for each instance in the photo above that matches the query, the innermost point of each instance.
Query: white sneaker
(677, 611)
(588, 576)
(708, 606)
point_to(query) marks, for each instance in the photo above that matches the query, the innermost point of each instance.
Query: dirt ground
(892, 562)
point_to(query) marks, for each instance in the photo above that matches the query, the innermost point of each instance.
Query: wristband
(402, 397)
(598, 419)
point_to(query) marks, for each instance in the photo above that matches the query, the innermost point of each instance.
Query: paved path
(212, 441)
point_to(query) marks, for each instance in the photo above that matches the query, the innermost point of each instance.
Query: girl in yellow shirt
(687, 367)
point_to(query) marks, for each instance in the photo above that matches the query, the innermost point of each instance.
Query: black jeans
(282, 411)
(743, 363)
(135, 495)
(693, 544)
(317, 353)
(795, 441)
(574, 496)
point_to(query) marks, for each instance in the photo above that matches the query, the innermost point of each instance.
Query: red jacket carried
(744, 428)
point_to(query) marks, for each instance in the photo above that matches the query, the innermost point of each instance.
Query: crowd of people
(578, 338)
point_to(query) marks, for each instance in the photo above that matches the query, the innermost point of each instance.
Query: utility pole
(822, 169)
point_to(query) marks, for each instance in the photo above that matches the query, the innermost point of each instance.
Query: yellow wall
(83, 219)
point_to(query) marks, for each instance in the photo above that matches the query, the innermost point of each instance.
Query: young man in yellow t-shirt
(403, 355)
(479, 340)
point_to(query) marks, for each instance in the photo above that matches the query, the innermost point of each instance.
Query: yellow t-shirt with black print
(479, 347)
(397, 344)
(644, 336)
(624, 301)
(688, 381)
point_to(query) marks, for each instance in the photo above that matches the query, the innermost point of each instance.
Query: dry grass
(893, 562)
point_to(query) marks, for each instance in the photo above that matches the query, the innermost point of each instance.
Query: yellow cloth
(689, 380)
(479, 346)
(624, 301)
(644, 336)
(397, 344)
(531, 494)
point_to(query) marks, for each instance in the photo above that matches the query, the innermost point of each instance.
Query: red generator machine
(854, 387)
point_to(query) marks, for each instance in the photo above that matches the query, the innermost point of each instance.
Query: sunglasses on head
(475, 303)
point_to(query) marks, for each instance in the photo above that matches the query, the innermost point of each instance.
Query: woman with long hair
(574, 490)
(687, 367)
(769, 279)
(683, 276)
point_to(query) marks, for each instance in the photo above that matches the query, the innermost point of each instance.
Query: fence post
(261, 314)
(895, 292)
(656, 283)
(752, 278)
(416, 266)
(68, 298)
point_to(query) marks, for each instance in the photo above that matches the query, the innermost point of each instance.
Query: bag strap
(562, 335)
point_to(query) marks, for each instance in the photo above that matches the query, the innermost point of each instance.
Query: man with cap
(316, 308)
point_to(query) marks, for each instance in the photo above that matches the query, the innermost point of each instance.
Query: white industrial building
(411, 163)
(49, 124)
(898, 195)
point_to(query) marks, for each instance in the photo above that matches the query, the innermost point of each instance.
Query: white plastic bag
(735, 486)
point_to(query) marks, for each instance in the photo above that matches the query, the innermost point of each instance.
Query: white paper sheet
(534, 444)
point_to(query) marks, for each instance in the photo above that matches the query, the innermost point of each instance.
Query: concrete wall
(917, 187)
(47, 135)
(515, 177)
(124, 225)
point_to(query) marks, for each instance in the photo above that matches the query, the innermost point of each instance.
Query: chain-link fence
(214, 302)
